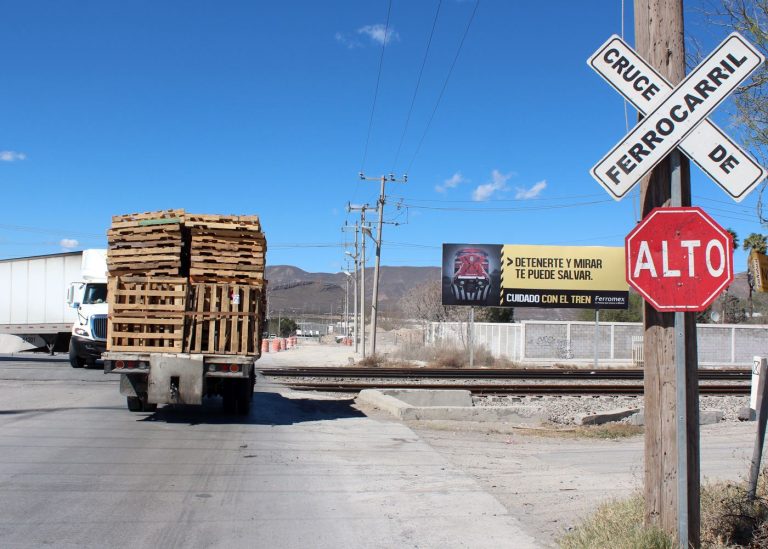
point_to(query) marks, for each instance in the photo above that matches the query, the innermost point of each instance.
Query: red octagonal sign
(679, 259)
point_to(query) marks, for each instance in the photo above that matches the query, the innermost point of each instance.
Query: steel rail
(516, 389)
(523, 373)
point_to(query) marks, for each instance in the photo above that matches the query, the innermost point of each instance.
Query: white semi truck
(34, 309)
(87, 295)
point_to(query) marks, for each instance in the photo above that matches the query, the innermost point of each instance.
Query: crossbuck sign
(677, 116)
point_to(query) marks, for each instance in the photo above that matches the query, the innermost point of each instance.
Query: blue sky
(247, 107)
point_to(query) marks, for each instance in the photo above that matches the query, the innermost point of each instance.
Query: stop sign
(679, 259)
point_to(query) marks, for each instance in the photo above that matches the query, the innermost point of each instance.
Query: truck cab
(89, 297)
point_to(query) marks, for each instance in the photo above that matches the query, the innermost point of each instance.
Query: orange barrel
(295, 341)
(275, 345)
(349, 341)
(282, 344)
(288, 342)
(264, 345)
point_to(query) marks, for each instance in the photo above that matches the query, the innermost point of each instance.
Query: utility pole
(355, 257)
(672, 484)
(382, 200)
(361, 208)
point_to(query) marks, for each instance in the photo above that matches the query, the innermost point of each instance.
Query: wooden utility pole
(672, 495)
(380, 205)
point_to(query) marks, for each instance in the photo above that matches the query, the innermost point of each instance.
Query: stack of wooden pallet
(148, 244)
(217, 304)
(226, 248)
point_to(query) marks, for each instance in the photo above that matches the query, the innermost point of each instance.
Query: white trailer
(33, 300)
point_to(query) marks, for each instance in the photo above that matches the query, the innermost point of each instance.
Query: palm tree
(758, 243)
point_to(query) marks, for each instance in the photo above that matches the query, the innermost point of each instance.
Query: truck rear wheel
(236, 397)
(140, 404)
(74, 360)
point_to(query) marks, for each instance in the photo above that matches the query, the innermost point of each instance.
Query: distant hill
(294, 290)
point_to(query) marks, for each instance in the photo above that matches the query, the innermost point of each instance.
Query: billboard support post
(597, 336)
(471, 337)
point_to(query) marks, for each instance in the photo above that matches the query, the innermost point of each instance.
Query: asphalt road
(78, 470)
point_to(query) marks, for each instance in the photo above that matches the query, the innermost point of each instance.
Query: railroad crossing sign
(679, 259)
(675, 115)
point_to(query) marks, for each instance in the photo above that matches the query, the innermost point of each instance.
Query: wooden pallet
(148, 218)
(224, 319)
(146, 314)
(244, 222)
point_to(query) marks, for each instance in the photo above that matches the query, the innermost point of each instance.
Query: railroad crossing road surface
(302, 470)
(78, 470)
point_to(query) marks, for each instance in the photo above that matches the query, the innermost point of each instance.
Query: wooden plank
(222, 324)
(198, 322)
(155, 335)
(144, 279)
(151, 293)
(146, 349)
(178, 321)
(213, 289)
(146, 257)
(148, 307)
(226, 272)
(111, 289)
(246, 320)
(235, 321)
(145, 250)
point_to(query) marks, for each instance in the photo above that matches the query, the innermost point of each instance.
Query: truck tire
(134, 404)
(244, 395)
(74, 360)
(140, 404)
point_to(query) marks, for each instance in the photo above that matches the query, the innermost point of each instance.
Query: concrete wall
(547, 342)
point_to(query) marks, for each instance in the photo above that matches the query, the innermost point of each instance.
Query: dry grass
(453, 357)
(617, 525)
(609, 431)
(729, 520)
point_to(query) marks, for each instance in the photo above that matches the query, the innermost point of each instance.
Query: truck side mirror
(73, 295)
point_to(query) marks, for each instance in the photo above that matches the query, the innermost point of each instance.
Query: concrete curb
(523, 415)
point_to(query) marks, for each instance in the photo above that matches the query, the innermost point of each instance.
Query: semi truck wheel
(140, 404)
(74, 360)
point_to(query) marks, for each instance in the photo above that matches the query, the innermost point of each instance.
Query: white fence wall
(545, 342)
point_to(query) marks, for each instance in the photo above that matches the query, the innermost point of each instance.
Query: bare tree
(424, 303)
(750, 18)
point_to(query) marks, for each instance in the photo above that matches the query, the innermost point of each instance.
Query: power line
(445, 84)
(376, 91)
(537, 199)
(532, 208)
(416, 90)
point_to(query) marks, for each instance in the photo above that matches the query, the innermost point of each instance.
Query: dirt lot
(548, 482)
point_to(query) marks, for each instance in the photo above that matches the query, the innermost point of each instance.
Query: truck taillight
(119, 364)
(234, 368)
(143, 366)
(211, 367)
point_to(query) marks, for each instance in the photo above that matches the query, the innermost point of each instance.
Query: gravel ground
(565, 410)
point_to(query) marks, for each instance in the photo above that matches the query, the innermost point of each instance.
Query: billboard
(758, 269)
(516, 275)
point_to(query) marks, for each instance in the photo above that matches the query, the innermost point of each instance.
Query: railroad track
(345, 380)
(523, 373)
(512, 389)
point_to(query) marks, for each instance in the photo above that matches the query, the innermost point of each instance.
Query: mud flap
(175, 380)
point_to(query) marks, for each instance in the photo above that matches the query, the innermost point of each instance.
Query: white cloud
(69, 243)
(498, 183)
(11, 156)
(454, 181)
(533, 192)
(379, 33)
(350, 43)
